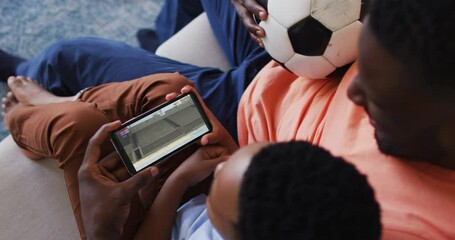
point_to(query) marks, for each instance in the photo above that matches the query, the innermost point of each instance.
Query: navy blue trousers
(71, 65)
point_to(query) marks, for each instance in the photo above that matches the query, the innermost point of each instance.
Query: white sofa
(34, 203)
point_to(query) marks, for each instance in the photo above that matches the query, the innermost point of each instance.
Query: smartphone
(160, 132)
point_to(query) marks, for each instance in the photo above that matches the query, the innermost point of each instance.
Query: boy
(288, 190)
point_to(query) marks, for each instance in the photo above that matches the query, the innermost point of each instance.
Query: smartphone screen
(160, 132)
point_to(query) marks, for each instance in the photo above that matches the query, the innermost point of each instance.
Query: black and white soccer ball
(312, 38)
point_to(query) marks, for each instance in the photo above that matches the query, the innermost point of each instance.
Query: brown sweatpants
(62, 130)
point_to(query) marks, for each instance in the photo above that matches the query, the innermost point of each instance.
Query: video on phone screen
(163, 131)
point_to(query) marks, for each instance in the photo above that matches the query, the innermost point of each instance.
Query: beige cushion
(198, 45)
(34, 203)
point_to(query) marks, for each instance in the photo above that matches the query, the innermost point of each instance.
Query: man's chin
(387, 147)
(394, 150)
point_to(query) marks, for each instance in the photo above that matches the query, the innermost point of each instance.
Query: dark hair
(299, 191)
(420, 34)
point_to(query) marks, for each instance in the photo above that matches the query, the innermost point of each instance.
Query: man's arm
(160, 217)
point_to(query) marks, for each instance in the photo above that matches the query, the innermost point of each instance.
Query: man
(398, 134)
(405, 92)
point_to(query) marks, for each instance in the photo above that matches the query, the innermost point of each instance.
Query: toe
(22, 79)
(4, 107)
(11, 97)
(30, 80)
(14, 82)
(11, 79)
(6, 102)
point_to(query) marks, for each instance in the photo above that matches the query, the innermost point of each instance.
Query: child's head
(291, 190)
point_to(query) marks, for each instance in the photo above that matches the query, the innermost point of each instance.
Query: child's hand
(219, 134)
(199, 165)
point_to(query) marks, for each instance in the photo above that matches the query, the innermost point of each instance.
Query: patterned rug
(29, 26)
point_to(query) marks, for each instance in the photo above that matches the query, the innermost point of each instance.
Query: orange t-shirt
(417, 199)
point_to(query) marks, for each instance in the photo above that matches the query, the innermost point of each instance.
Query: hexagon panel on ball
(336, 14)
(343, 46)
(310, 67)
(276, 40)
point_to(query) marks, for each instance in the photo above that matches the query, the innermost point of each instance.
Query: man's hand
(199, 165)
(219, 134)
(245, 9)
(106, 202)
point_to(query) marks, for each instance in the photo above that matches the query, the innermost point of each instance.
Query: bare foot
(9, 103)
(29, 92)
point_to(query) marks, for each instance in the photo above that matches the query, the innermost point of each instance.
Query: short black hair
(296, 190)
(420, 34)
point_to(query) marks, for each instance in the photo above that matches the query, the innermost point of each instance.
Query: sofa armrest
(34, 202)
(195, 44)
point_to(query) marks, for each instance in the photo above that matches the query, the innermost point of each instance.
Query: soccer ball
(312, 38)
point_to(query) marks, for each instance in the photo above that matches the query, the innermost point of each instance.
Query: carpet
(28, 26)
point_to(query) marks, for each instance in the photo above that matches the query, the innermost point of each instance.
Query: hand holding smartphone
(160, 132)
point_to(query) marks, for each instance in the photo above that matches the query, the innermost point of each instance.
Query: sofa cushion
(198, 46)
(34, 202)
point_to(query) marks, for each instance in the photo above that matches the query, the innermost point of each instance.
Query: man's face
(222, 202)
(406, 115)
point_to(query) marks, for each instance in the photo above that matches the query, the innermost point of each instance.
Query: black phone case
(120, 149)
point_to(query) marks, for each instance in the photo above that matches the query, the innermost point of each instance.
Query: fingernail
(259, 33)
(154, 171)
(185, 89)
(262, 15)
